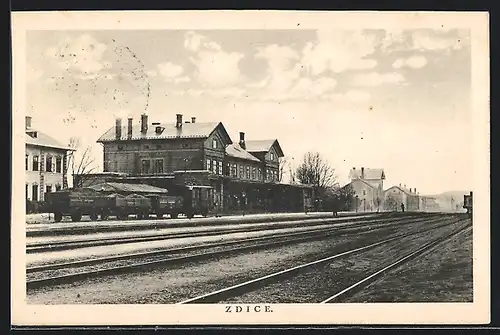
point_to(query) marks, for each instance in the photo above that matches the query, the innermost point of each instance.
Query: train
(122, 200)
(468, 203)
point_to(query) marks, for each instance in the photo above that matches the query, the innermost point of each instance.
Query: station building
(397, 195)
(45, 163)
(367, 184)
(235, 176)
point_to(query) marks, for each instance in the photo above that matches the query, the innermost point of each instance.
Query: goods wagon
(468, 203)
(76, 203)
(116, 199)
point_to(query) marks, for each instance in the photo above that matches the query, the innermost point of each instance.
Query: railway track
(248, 286)
(51, 274)
(158, 236)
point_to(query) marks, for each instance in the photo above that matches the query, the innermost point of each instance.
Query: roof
(361, 180)
(124, 187)
(369, 173)
(263, 146)
(188, 130)
(43, 140)
(402, 189)
(234, 150)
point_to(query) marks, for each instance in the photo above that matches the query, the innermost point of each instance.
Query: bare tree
(281, 168)
(81, 165)
(315, 170)
(292, 173)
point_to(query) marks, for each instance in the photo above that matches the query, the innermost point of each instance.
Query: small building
(45, 163)
(367, 185)
(397, 195)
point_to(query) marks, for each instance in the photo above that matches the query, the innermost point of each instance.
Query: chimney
(362, 173)
(242, 140)
(27, 120)
(118, 129)
(404, 185)
(178, 123)
(129, 128)
(193, 119)
(144, 123)
(399, 184)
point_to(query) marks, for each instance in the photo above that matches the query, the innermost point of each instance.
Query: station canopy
(127, 188)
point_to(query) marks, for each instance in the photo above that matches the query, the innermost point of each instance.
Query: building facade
(367, 185)
(397, 195)
(45, 163)
(241, 176)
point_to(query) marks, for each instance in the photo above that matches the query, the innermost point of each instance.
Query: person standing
(402, 207)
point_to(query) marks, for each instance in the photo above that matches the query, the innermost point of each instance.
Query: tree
(292, 173)
(282, 162)
(316, 171)
(391, 204)
(378, 202)
(81, 165)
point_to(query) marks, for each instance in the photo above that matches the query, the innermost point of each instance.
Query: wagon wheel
(174, 215)
(93, 216)
(159, 215)
(75, 217)
(57, 217)
(190, 215)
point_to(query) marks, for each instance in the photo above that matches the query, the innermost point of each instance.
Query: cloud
(84, 54)
(184, 79)
(427, 40)
(339, 51)
(215, 67)
(415, 62)
(377, 79)
(352, 96)
(169, 70)
(306, 88)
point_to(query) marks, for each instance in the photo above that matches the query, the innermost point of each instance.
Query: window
(242, 171)
(268, 175)
(145, 166)
(208, 164)
(48, 164)
(146, 146)
(120, 147)
(254, 173)
(248, 172)
(364, 192)
(58, 164)
(27, 161)
(158, 165)
(272, 156)
(220, 167)
(234, 170)
(34, 192)
(48, 188)
(214, 143)
(58, 187)
(214, 166)
(35, 163)
(228, 169)
(260, 174)
(27, 187)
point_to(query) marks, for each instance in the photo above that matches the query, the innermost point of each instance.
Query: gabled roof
(234, 150)
(263, 146)
(402, 189)
(43, 140)
(124, 187)
(360, 180)
(369, 173)
(188, 130)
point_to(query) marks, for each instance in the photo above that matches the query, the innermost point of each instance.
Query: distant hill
(449, 200)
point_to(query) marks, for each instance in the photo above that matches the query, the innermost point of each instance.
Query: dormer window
(272, 156)
(214, 143)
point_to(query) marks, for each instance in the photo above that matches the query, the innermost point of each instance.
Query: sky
(392, 99)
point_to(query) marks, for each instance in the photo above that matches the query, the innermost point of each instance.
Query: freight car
(468, 203)
(115, 199)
